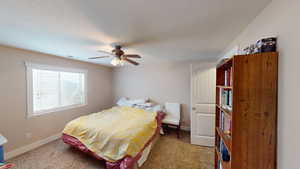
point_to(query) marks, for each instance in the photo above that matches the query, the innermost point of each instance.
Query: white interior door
(203, 91)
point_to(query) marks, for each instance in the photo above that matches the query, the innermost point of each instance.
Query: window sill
(44, 112)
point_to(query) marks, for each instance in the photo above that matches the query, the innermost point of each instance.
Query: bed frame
(136, 165)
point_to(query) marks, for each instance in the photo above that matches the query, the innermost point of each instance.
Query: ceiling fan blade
(132, 56)
(131, 61)
(98, 57)
(103, 51)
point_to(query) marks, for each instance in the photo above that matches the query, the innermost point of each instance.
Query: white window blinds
(53, 89)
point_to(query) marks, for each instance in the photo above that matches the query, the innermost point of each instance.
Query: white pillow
(121, 101)
(155, 108)
(138, 101)
(144, 106)
(124, 102)
(148, 104)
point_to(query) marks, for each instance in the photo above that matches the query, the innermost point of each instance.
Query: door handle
(193, 108)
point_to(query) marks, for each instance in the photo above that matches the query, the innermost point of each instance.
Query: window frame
(29, 67)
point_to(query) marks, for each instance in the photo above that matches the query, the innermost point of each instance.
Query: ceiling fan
(119, 56)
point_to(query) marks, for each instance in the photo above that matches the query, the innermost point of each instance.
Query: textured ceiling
(158, 30)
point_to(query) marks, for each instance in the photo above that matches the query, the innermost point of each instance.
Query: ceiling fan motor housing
(118, 51)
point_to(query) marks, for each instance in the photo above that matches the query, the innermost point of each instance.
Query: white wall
(281, 18)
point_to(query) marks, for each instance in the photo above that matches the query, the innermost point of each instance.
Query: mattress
(125, 162)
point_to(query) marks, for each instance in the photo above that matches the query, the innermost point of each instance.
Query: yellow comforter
(114, 133)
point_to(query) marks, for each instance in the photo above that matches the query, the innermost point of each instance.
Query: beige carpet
(168, 153)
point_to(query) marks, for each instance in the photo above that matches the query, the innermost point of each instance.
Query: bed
(122, 136)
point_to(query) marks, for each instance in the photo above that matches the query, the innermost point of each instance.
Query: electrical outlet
(28, 135)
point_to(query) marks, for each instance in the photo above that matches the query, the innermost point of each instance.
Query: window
(51, 89)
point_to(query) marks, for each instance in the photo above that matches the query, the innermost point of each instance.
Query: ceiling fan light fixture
(117, 62)
(122, 63)
(114, 62)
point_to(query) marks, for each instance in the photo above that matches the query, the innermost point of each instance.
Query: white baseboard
(30, 147)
